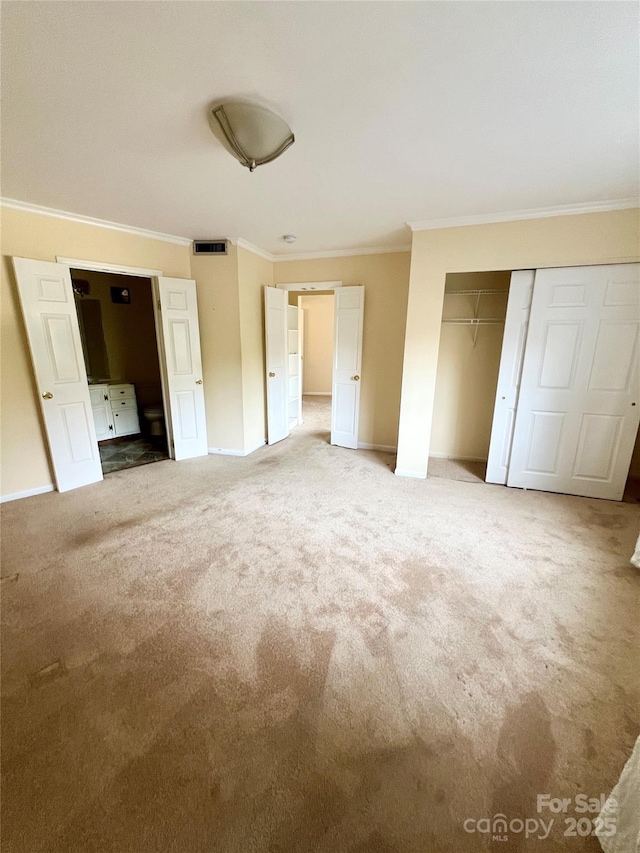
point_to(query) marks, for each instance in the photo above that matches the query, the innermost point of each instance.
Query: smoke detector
(289, 238)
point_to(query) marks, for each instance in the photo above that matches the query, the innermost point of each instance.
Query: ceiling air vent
(209, 247)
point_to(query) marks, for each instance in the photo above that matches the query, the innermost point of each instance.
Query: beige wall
(467, 373)
(230, 309)
(595, 238)
(253, 273)
(386, 279)
(216, 279)
(317, 358)
(25, 463)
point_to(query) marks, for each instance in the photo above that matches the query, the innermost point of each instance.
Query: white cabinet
(101, 408)
(115, 410)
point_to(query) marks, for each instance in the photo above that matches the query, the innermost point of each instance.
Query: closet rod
(473, 321)
(472, 292)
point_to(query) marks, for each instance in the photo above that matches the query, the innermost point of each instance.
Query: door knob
(198, 381)
(356, 378)
(271, 375)
(47, 395)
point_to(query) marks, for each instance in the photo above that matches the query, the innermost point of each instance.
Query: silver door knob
(271, 375)
(356, 378)
(198, 381)
(47, 395)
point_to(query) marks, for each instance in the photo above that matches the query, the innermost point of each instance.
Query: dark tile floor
(132, 450)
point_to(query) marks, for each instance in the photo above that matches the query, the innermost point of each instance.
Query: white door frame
(140, 272)
(316, 288)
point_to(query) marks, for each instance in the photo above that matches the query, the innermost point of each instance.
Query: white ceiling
(401, 111)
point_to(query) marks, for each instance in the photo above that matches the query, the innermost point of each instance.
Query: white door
(183, 366)
(579, 403)
(276, 348)
(511, 358)
(347, 365)
(301, 359)
(52, 326)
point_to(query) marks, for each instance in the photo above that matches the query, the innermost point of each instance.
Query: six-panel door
(579, 403)
(50, 317)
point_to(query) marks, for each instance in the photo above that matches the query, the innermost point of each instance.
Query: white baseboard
(223, 451)
(385, 448)
(458, 458)
(316, 393)
(419, 475)
(29, 493)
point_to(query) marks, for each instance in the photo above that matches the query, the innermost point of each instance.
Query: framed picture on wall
(121, 295)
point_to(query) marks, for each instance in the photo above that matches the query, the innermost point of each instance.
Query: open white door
(183, 366)
(276, 348)
(579, 403)
(511, 358)
(52, 326)
(347, 365)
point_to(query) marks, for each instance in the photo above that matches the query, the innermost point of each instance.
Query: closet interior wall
(468, 363)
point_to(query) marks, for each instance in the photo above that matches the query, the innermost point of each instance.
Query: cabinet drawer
(125, 403)
(116, 392)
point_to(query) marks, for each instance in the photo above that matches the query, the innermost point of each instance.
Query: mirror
(94, 347)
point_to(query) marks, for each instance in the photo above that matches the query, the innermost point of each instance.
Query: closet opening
(310, 341)
(632, 487)
(471, 337)
(120, 347)
(537, 376)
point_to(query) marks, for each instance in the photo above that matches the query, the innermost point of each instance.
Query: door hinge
(159, 305)
(110, 426)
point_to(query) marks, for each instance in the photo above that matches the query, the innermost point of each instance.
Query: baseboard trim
(403, 472)
(224, 451)
(28, 493)
(316, 393)
(458, 458)
(385, 448)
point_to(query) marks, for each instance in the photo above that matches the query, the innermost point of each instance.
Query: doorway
(120, 349)
(316, 333)
(473, 321)
(284, 323)
(565, 379)
(48, 304)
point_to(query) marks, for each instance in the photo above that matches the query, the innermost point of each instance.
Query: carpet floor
(298, 651)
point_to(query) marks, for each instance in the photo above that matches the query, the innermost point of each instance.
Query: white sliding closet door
(347, 365)
(275, 322)
(56, 351)
(183, 366)
(579, 403)
(513, 345)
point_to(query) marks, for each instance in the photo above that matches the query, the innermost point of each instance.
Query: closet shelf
(475, 321)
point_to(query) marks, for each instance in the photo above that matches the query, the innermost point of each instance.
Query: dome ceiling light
(254, 135)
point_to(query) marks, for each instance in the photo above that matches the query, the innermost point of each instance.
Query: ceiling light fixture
(289, 238)
(254, 135)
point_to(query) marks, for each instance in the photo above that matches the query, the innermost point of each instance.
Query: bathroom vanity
(115, 410)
